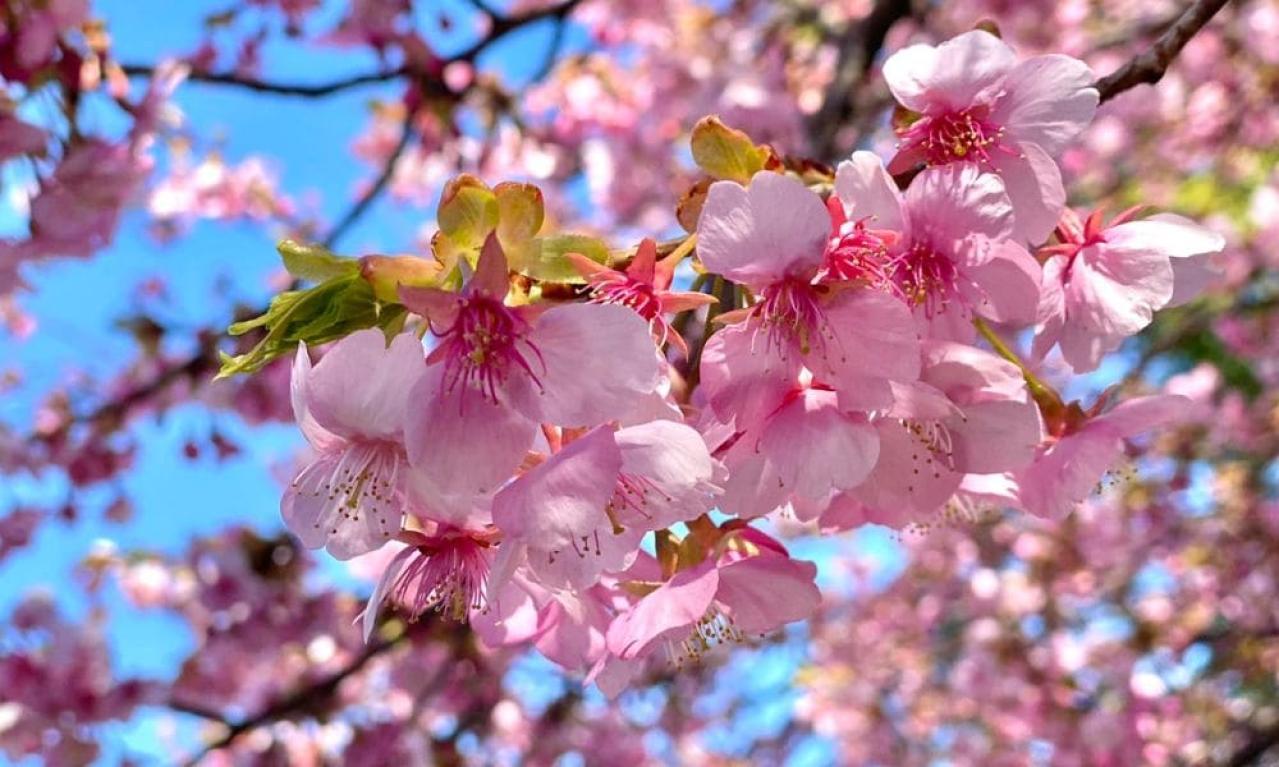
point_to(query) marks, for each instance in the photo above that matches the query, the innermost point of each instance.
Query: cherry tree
(909, 364)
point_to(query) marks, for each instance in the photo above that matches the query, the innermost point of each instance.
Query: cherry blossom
(1103, 284)
(348, 499)
(979, 106)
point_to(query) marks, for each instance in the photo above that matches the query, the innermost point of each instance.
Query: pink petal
(368, 618)
(1010, 283)
(756, 235)
(1139, 414)
(1067, 473)
(949, 76)
(816, 449)
(466, 444)
(558, 509)
(866, 190)
(316, 435)
(968, 374)
(872, 336)
(949, 204)
(909, 475)
(994, 437)
(1115, 288)
(673, 468)
(744, 381)
(671, 610)
(753, 487)
(360, 387)
(599, 361)
(1048, 101)
(762, 593)
(1034, 186)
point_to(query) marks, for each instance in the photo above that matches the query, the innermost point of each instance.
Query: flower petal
(1048, 101)
(866, 190)
(775, 227)
(950, 76)
(360, 387)
(599, 361)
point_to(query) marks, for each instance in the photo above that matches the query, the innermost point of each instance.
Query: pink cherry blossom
(979, 106)
(498, 371)
(750, 586)
(1073, 461)
(582, 512)
(970, 413)
(351, 408)
(1103, 284)
(644, 287)
(446, 572)
(952, 258)
(772, 237)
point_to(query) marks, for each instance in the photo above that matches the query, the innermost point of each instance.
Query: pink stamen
(858, 253)
(449, 574)
(790, 309)
(925, 277)
(638, 295)
(966, 134)
(484, 344)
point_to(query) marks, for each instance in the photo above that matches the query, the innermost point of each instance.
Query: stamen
(484, 344)
(925, 277)
(967, 134)
(789, 310)
(450, 576)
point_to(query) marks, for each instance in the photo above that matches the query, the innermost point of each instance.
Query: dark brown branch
(504, 25)
(1150, 65)
(380, 184)
(858, 46)
(301, 90)
(299, 699)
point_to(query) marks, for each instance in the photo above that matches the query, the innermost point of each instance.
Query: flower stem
(1045, 395)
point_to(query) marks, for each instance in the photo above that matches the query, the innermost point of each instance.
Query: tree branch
(1150, 65)
(301, 90)
(298, 700)
(380, 184)
(1256, 747)
(858, 46)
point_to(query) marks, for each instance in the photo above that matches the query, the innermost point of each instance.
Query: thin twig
(301, 90)
(300, 698)
(1150, 65)
(379, 185)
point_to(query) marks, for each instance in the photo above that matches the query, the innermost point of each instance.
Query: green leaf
(314, 262)
(326, 312)
(726, 153)
(468, 211)
(543, 258)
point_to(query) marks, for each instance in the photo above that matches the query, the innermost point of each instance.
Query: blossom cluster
(855, 363)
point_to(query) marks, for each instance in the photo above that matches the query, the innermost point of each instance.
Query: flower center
(484, 344)
(925, 278)
(712, 629)
(966, 134)
(362, 479)
(857, 253)
(635, 294)
(449, 575)
(789, 310)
